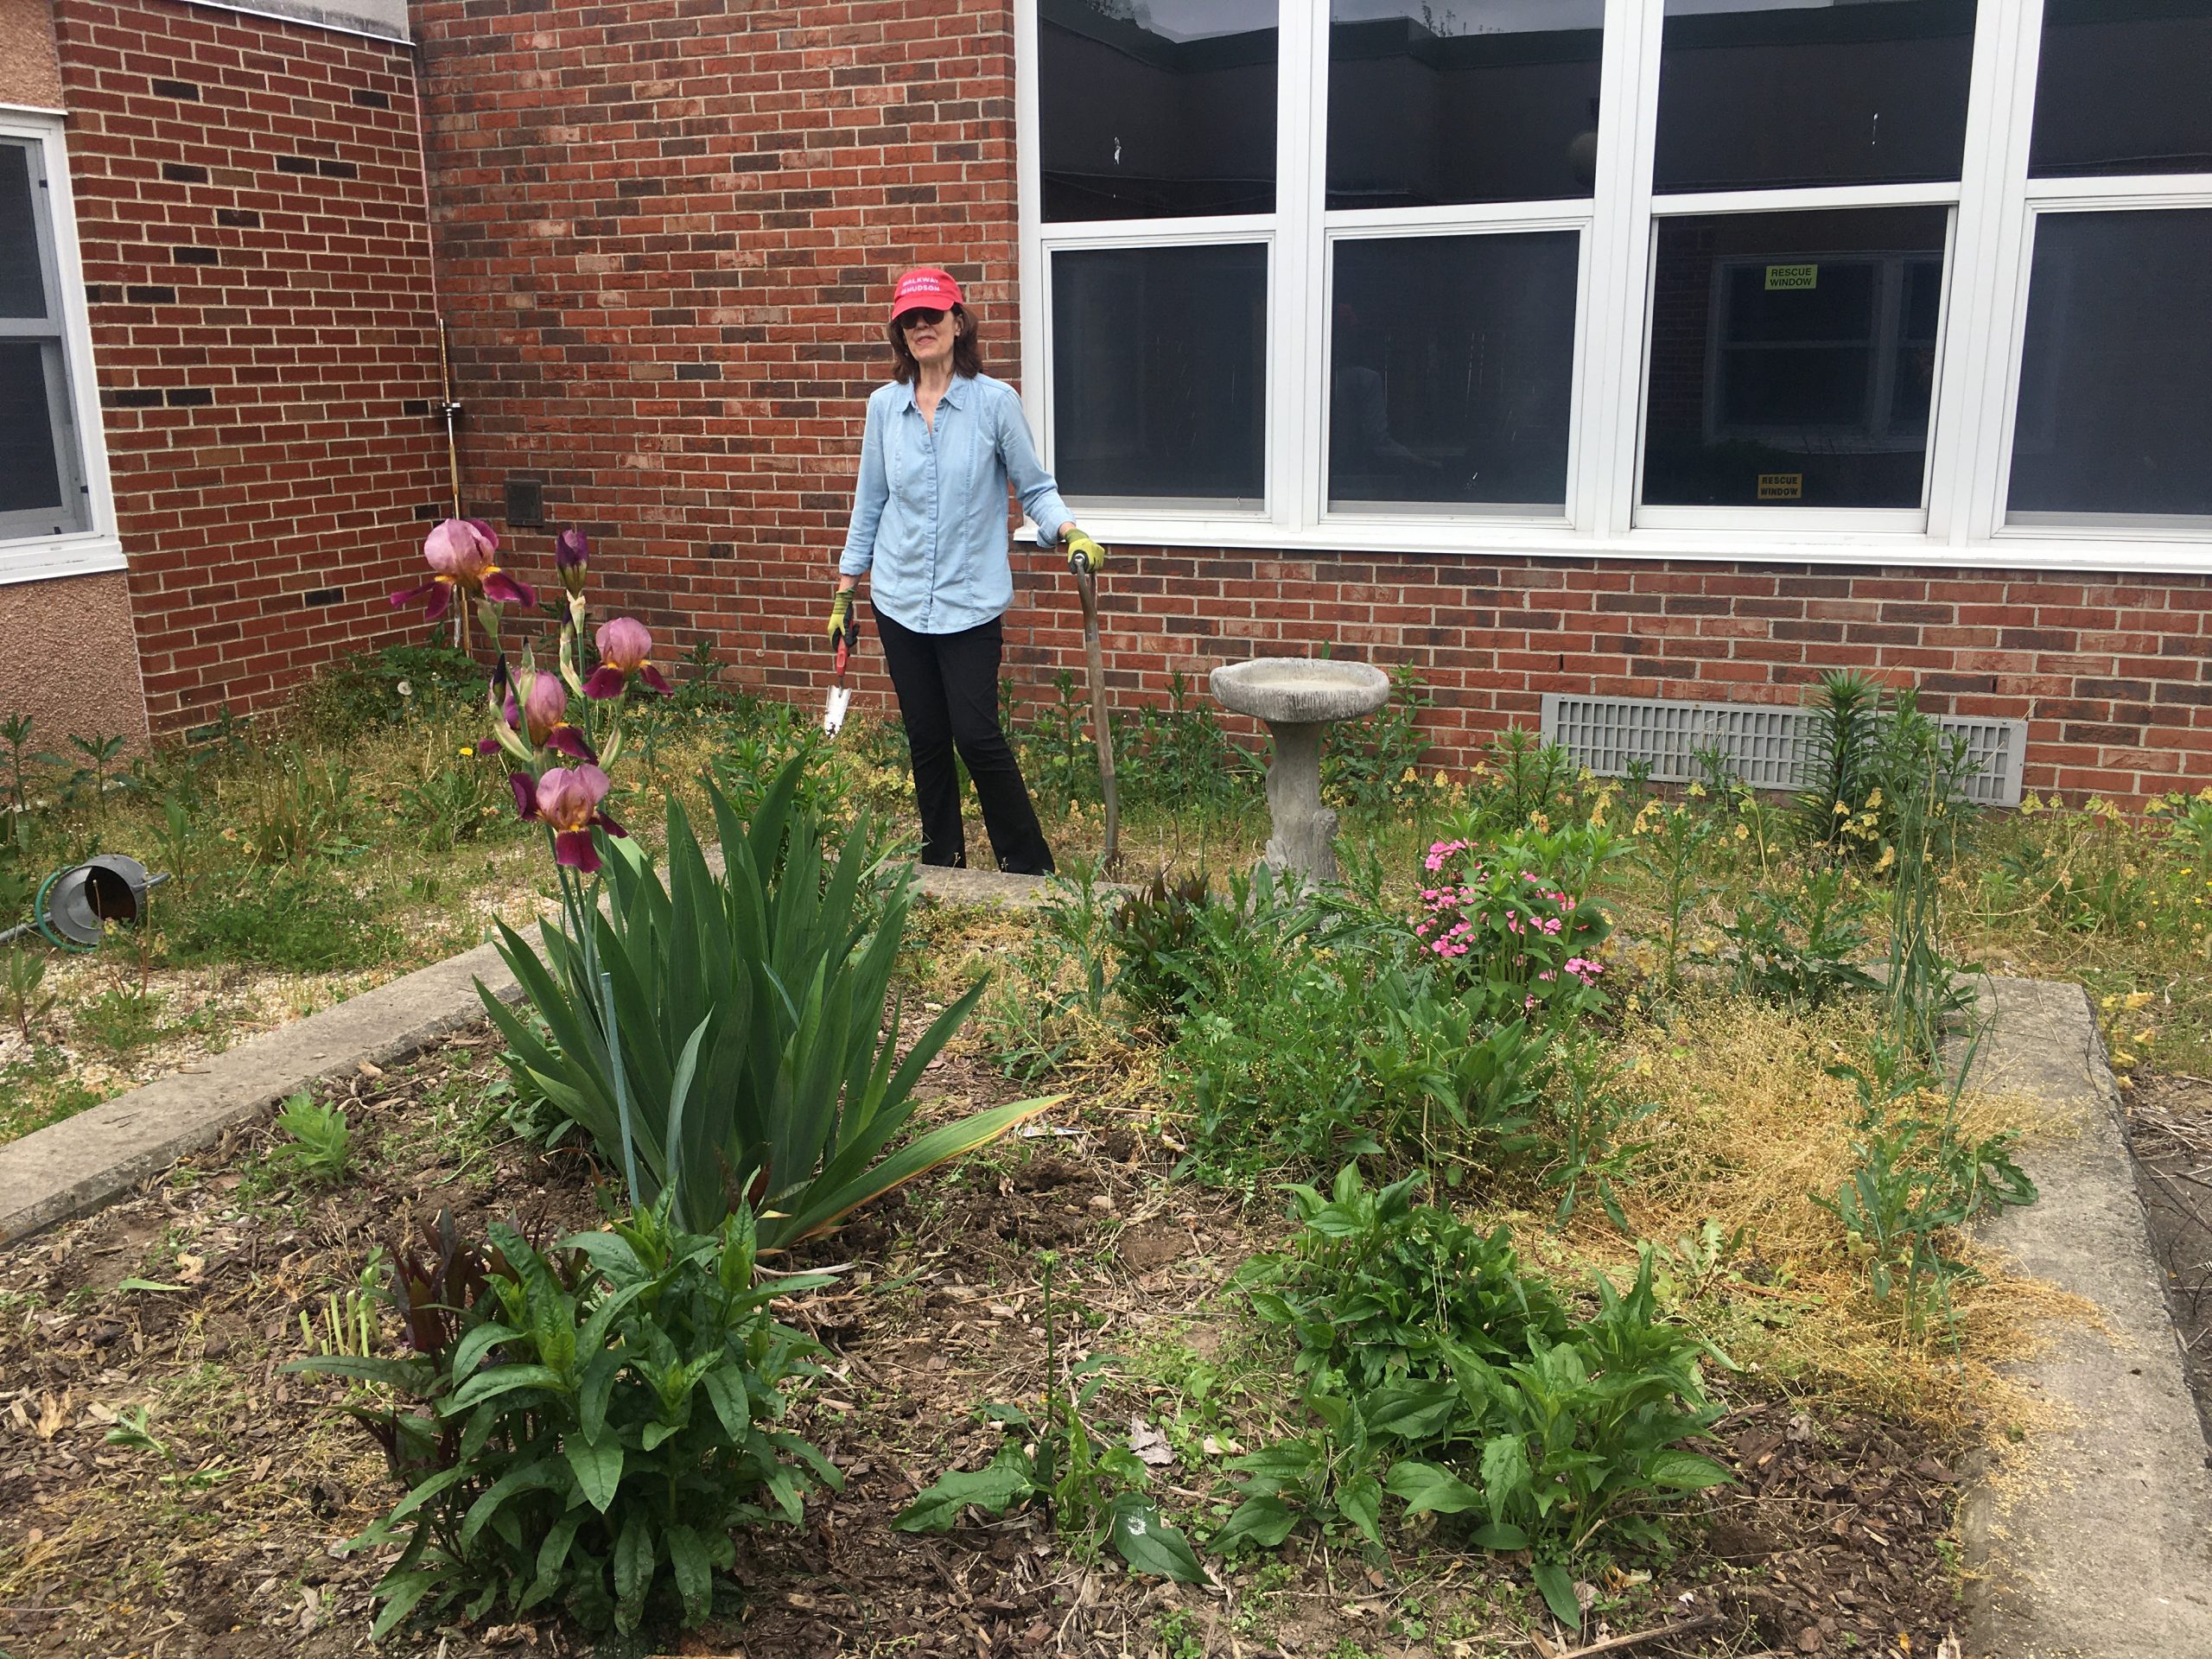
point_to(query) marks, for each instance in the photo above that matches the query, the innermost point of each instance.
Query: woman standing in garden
(942, 442)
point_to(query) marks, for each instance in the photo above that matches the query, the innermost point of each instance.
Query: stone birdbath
(1297, 697)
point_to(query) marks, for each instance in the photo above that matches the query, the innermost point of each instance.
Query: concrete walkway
(83, 1162)
(2099, 1544)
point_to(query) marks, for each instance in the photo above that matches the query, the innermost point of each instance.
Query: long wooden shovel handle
(1087, 586)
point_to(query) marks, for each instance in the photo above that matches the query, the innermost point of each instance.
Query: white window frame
(97, 548)
(1960, 523)
(2149, 192)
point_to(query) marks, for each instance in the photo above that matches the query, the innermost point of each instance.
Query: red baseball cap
(926, 288)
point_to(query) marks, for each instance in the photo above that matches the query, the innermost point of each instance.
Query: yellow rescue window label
(1787, 276)
(1782, 486)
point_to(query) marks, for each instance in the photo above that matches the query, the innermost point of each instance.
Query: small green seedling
(320, 1145)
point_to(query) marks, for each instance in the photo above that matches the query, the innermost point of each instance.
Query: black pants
(948, 686)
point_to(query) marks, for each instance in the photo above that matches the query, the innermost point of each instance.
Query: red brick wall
(251, 213)
(2113, 676)
(665, 241)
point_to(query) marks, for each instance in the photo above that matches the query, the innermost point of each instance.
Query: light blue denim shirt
(929, 513)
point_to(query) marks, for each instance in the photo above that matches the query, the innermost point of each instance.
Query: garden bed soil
(1835, 1539)
(2169, 1122)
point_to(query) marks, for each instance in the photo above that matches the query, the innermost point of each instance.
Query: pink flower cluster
(1513, 937)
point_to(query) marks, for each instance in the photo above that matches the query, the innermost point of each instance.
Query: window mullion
(1985, 293)
(1031, 295)
(1296, 272)
(1610, 395)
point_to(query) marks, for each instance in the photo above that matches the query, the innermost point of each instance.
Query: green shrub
(590, 1422)
(720, 1037)
(1550, 1432)
(1371, 765)
(1448, 1079)
(1157, 935)
(1515, 919)
(1580, 1437)
(1801, 948)
(1375, 1284)
(387, 687)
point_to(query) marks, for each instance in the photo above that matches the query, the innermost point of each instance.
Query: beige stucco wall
(30, 72)
(69, 658)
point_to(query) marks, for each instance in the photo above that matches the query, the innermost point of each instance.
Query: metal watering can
(74, 905)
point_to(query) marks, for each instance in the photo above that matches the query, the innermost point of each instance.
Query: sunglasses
(920, 317)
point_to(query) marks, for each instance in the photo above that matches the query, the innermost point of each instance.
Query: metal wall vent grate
(1764, 742)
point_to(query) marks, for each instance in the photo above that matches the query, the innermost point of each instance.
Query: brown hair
(967, 361)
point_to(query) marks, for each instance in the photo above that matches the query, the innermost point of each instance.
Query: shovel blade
(840, 699)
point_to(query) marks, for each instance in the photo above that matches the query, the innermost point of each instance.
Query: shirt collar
(955, 395)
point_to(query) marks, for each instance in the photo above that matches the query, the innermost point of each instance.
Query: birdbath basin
(1298, 697)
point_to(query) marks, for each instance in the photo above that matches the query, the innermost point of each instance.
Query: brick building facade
(664, 231)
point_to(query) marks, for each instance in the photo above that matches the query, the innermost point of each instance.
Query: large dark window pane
(1793, 358)
(1150, 108)
(22, 287)
(1488, 100)
(1159, 372)
(1451, 363)
(2122, 88)
(28, 478)
(2114, 416)
(1764, 93)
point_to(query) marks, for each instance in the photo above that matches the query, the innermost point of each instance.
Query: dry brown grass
(1750, 1125)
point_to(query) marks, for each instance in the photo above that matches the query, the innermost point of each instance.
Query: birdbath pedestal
(1298, 697)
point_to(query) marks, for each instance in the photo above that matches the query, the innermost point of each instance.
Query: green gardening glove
(841, 611)
(1081, 548)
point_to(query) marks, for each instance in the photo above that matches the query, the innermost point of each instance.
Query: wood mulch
(2169, 1122)
(1832, 1541)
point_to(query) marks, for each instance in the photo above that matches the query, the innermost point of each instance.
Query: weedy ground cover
(1579, 1142)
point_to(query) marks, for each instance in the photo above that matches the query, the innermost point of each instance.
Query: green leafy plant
(1449, 1080)
(15, 733)
(751, 759)
(1156, 935)
(1329, 1475)
(27, 1003)
(319, 1147)
(1519, 779)
(1086, 1484)
(1371, 765)
(1801, 948)
(298, 806)
(587, 1424)
(1917, 1178)
(93, 768)
(451, 804)
(1588, 1118)
(1670, 844)
(727, 1037)
(1375, 1283)
(1174, 754)
(1579, 1437)
(1840, 773)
